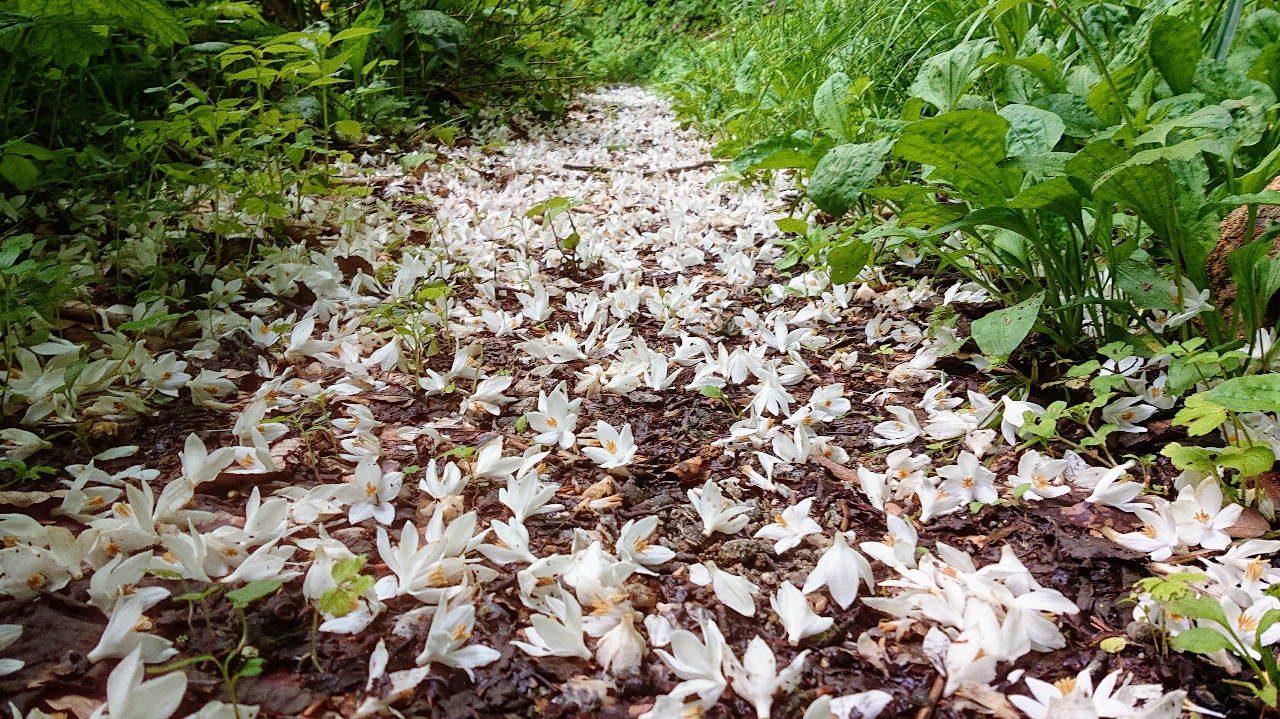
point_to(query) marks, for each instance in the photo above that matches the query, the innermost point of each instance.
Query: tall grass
(757, 75)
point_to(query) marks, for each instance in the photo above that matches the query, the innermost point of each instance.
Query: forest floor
(670, 273)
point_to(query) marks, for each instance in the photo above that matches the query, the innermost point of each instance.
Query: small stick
(934, 693)
(844, 515)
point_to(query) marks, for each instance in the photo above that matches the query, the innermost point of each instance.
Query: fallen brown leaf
(995, 702)
(81, 707)
(841, 472)
(686, 471)
(1250, 525)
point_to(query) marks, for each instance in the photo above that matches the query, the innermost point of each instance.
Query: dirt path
(702, 415)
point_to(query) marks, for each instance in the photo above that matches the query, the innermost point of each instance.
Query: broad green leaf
(251, 592)
(964, 148)
(1032, 130)
(350, 128)
(1200, 607)
(1255, 393)
(1175, 50)
(1057, 195)
(792, 226)
(19, 171)
(1198, 459)
(1001, 332)
(1266, 197)
(846, 261)
(831, 106)
(944, 78)
(844, 172)
(347, 569)
(433, 23)
(1144, 286)
(1201, 640)
(336, 602)
(745, 78)
(1078, 119)
(778, 152)
(1248, 461)
(357, 43)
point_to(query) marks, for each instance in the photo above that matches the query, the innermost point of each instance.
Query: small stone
(747, 552)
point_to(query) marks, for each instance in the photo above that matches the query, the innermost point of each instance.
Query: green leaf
(1200, 607)
(145, 324)
(1144, 286)
(1201, 640)
(944, 78)
(522, 423)
(1200, 415)
(1175, 50)
(844, 172)
(1001, 332)
(792, 226)
(711, 391)
(1255, 393)
(778, 152)
(1198, 459)
(831, 106)
(350, 128)
(846, 261)
(336, 602)
(251, 592)
(347, 569)
(435, 24)
(19, 171)
(964, 148)
(252, 668)
(355, 33)
(1248, 461)
(1032, 131)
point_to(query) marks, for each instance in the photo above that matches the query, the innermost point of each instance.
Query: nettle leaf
(846, 261)
(251, 592)
(964, 148)
(1201, 640)
(1001, 332)
(831, 106)
(1175, 50)
(844, 172)
(1255, 393)
(1031, 129)
(1144, 286)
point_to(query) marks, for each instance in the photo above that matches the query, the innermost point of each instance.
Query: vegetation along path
(540, 427)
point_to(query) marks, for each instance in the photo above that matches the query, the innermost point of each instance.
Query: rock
(644, 397)
(747, 552)
(524, 406)
(527, 386)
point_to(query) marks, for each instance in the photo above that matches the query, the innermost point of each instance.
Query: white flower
(633, 544)
(969, 480)
(617, 449)
(898, 549)
(797, 617)
(840, 568)
(935, 502)
(790, 527)
(128, 697)
(200, 465)
(718, 513)
(900, 431)
(1201, 517)
(669, 706)
(450, 630)
(373, 492)
(697, 662)
(1126, 413)
(1076, 696)
(1159, 534)
(771, 397)
(829, 403)
(1245, 624)
(757, 678)
(450, 484)
(559, 635)
(490, 464)
(735, 592)
(1042, 477)
(512, 544)
(1112, 492)
(620, 650)
(18, 444)
(527, 496)
(1015, 415)
(556, 418)
(489, 396)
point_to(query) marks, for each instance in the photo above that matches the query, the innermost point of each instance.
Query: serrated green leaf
(347, 569)
(1255, 393)
(336, 602)
(1200, 415)
(1248, 461)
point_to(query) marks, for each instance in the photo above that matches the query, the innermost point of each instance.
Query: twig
(682, 168)
(935, 693)
(844, 515)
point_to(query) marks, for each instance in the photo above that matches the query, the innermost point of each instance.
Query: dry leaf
(599, 490)
(29, 499)
(1250, 525)
(989, 698)
(686, 471)
(841, 472)
(81, 707)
